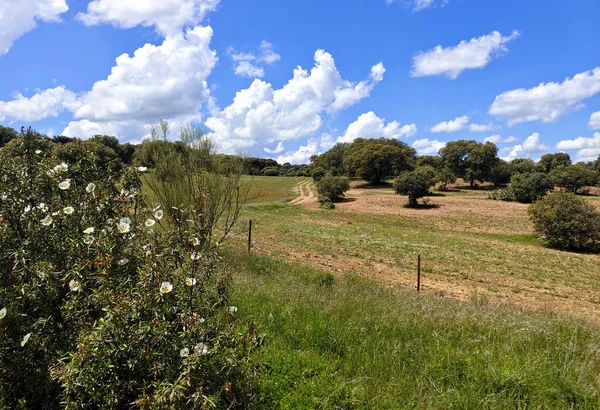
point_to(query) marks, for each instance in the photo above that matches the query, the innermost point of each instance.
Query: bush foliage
(105, 303)
(332, 188)
(567, 222)
(415, 184)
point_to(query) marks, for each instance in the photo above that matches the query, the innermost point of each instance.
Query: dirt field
(472, 247)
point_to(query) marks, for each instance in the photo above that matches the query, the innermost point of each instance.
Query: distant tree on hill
(7, 134)
(470, 160)
(331, 161)
(548, 162)
(574, 177)
(270, 171)
(445, 176)
(527, 188)
(375, 159)
(501, 173)
(522, 165)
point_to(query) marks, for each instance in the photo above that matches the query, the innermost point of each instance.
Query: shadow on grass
(384, 185)
(344, 200)
(422, 206)
(476, 188)
(437, 193)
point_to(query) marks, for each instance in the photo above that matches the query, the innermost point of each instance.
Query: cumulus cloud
(19, 17)
(426, 146)
(48, 103)
(588, 149)
(531, 145)
(497, 139)
(459, 124)
(302, 155)
(594, 123)
(168, 16)
(546, 102)
(249, 64)
(418, 5)
(451, 61)
(278, 150)
(294, 111)
(369, 125)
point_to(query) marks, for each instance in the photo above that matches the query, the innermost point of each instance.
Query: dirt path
(307, 194)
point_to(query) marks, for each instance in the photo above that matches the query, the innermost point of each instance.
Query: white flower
(190, 281)
(123, 227)
(74, 285)
(2, 313)
(201, 348)
(66, 184)
(150, 222)
(90, 187)
(3, 197)
(50, 172)
(231, 310)
(185, 352)
(88, 240)
(159, 214)
(25, 339)
(123, 261)
(89, 231)
(55, 213)
(38, 151)
(195, 256)
(42, 207)
(63, 167)
(196, 242)
(201, 320)
(47, 221)
(125, 220)
(69, 210)
(142, 169)
(27, 209)
(165, 287)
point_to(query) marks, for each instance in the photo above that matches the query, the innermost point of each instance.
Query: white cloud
(546, 102)
(303, 154)
(291, 112)
(418, 5)
(454, 125)
(497, 139)
(588, 149)
(369, 125)
(166, 81)
(428, 147)
(278, 150)
(48, 103)
(248, 64)
(594, 123)
(168, 16)
(531, 145)
(20, 16)
(247, 69)
(451, 61)
(480, 127)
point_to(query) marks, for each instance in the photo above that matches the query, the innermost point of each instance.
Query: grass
(349, 342)
(270, 189)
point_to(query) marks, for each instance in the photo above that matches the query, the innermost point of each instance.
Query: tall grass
(353, 343)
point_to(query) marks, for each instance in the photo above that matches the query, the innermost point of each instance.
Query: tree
(574, 177)
(470, 160)
(567, 222)
(522, 165)
(415, 184)
(332, 187)
(501, 173)
(7, 134)
(528, 188)
(375, 159)
(270, 171)
(445, 176)
(548, 162)
(331, 161)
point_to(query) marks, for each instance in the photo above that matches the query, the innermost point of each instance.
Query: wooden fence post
(249, 235)
(419, 274)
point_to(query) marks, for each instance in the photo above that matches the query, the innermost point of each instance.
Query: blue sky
(523, 74)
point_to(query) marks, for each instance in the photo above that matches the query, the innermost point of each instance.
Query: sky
(287, 79)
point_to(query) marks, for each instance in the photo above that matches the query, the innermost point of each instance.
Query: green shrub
(86, 320)
(332, 187)
(270, 171)
(527, 188)
(415, 184)
(567, 222)
(317, 173)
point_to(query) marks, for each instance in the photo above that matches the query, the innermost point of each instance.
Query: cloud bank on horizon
(298, 114)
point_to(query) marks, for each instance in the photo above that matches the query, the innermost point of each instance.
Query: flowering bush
(101, 304)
